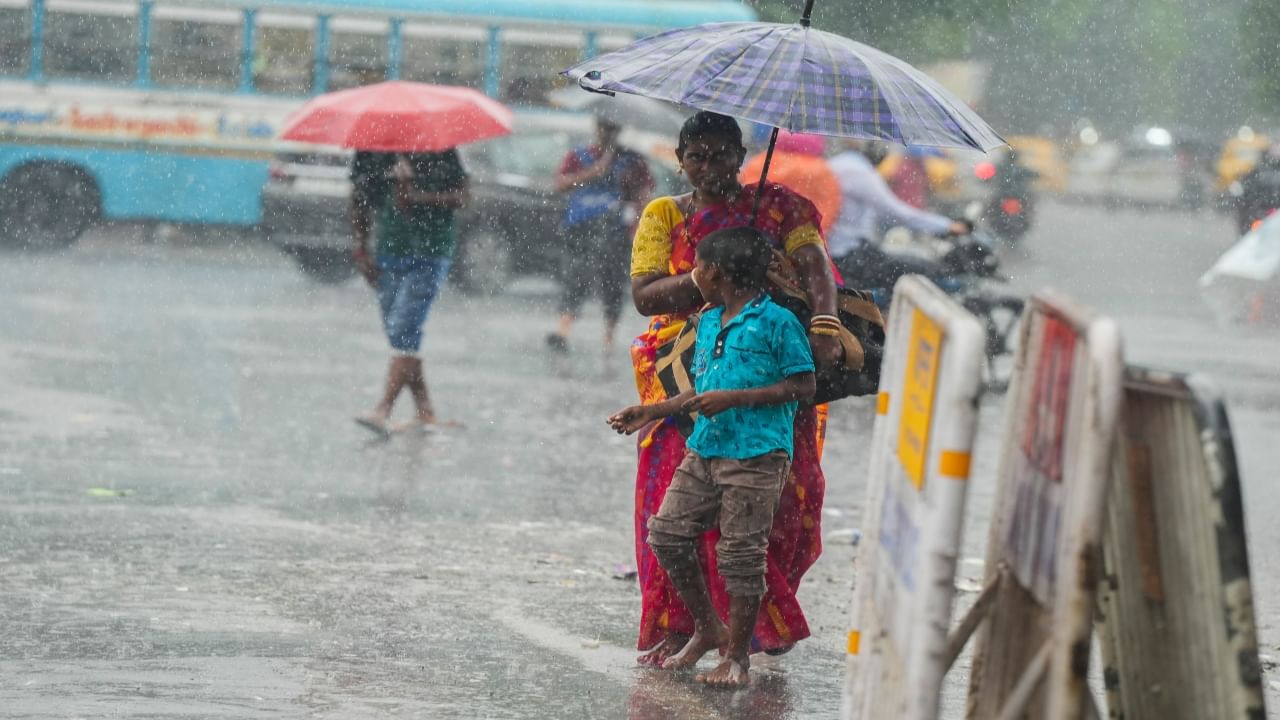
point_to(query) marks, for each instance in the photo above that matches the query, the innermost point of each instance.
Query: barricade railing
(930, 383)
(1032, 651)
(1176, 626)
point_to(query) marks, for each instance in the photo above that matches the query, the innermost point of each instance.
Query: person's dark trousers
(597, 256)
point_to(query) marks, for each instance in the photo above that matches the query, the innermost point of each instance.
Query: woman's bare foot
(729, 673)
(665, 649)
(697, 646)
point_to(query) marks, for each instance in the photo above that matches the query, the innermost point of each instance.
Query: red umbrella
(399, 116)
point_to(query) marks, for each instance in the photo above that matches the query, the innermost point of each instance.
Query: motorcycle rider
(1259, 190)
(1008, 213)
(865, 197)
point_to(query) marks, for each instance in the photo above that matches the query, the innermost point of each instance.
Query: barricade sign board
(930, 381)
(1176, 623)
(1032, 652)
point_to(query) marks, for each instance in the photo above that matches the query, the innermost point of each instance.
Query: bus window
(91, 41)
(443, 55)
(284, 48)
(357, 52)
(15, 39)
(195, 48)
(532, 61)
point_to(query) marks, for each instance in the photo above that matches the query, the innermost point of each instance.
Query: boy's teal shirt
(760, 346)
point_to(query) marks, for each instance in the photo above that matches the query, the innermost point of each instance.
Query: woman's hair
(705, 123)
(743, 253)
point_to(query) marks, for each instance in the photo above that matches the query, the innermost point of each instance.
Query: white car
(1150, 171)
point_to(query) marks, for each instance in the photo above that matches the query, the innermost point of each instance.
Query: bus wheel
(47, 207)
(324, 265)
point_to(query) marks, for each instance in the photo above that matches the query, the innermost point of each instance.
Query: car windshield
(537, 156)
(534, 155)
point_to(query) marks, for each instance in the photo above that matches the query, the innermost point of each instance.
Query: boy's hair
(743, 253)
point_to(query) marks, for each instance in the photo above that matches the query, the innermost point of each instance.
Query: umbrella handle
(764, 172)
(808, 12)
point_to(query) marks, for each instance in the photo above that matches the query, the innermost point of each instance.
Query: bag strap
(858, 303)
(784, 276)
(786, 279)
(674, 356)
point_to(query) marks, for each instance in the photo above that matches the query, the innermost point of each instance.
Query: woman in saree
(711, 154)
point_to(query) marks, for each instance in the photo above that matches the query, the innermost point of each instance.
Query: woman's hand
(367, 267)
(711, 403)
(815, 270)
(827, 351)
(631, 419)
(402, 170)
(659, 293)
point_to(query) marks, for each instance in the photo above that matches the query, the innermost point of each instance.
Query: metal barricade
(1176, 624)
(1032, 651)
(926, 418)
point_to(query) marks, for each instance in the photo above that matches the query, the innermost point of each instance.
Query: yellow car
(1042, 155)
(940, 168)
(951, 172)
(1239, 154)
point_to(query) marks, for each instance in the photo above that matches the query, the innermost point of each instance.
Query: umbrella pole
(764, 172)
(773, 137)
(808, 12)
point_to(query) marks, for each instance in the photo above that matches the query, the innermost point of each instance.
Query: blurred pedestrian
(751, 368)
(799, 163)
(607, 185)
(407, 203)
(711, 154)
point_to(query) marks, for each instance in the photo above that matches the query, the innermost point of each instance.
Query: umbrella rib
(726, 68)
(760, 88)
(682, 99)
(723, 69)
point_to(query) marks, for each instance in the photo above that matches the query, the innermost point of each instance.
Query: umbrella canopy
(399, 116)
(790, 76)
(1243, 286)
(631, 111)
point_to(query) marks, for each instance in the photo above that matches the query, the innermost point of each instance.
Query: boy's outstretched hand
(631, 419)
(711, 403)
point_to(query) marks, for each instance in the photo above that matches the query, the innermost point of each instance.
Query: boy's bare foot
(697, 646)
(665, 649)
(729, 673)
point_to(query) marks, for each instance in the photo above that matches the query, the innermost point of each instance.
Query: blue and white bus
(168, 110)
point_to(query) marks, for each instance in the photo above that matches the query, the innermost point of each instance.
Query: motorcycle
(965, 267)
(1010, 210)
(1252, 211)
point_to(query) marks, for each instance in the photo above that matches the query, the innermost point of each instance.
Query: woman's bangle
(825, 331)
(826, 324)
(823, 316)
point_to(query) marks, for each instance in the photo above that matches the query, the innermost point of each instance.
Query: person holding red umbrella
(407, 182)
(409, 201)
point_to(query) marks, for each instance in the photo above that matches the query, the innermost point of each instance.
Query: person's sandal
(557, 343)
(374, 425)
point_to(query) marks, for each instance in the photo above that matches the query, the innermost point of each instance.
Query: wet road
(193, 527)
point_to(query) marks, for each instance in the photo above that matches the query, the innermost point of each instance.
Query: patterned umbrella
(792, 77)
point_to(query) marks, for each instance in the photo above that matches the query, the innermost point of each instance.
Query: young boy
(752, 366)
